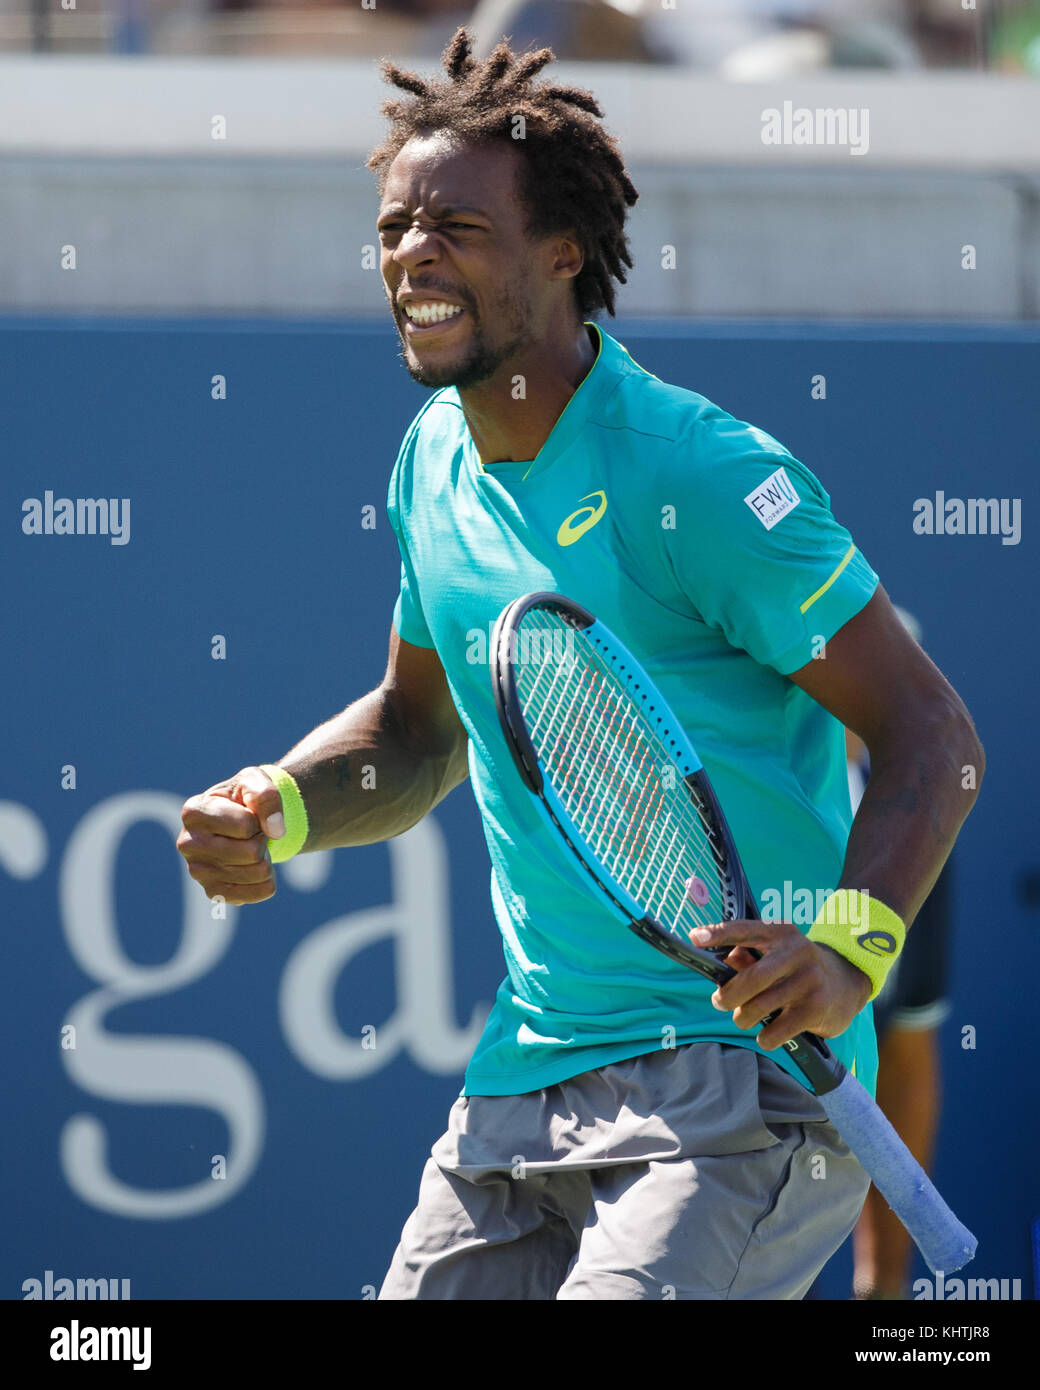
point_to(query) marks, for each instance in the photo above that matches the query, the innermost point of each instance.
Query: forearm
(923, 782)
(364, 778)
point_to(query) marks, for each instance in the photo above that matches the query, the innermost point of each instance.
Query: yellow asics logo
(582, 520)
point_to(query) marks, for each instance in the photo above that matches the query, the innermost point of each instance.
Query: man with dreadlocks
(622, 1132)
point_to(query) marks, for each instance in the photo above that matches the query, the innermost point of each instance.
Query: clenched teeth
(431, 313)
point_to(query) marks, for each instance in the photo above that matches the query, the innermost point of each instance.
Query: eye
(399, 223)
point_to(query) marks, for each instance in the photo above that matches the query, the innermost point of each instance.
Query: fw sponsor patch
(773, 499)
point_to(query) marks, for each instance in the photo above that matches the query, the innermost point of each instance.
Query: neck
(506, 429)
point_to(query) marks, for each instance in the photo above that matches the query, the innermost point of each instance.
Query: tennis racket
(618, 781)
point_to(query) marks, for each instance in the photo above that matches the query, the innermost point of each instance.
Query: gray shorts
(697, 1172)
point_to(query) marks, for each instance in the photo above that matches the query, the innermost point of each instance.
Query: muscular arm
(881, 685)
(376, 769)
(368, 774)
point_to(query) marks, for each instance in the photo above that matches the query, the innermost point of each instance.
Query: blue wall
(246, 522)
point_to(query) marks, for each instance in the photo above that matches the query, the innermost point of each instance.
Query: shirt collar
(610, 364)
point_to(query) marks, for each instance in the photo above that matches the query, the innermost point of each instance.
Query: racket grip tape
(944, 1242)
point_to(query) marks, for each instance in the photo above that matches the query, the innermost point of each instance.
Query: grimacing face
(458, 269)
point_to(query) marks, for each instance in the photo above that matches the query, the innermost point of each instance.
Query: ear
(568, 258)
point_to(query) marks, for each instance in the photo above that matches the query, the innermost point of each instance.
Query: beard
(477, 364)
(479, 360)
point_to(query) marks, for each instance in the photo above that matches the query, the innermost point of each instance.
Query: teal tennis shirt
(712, 553)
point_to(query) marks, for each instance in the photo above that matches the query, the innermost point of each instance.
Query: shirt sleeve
(409, 620)
(758, 553)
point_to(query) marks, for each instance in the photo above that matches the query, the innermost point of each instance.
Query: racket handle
(810, 1054)
(905, 1186)
(940, 1237)
(944, 1242)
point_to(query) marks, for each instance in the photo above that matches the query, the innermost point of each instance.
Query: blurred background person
(608, 31)
(755, 40)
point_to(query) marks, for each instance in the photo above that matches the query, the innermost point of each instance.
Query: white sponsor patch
(773, 499)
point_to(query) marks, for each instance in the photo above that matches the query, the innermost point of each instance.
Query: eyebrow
(448, 211)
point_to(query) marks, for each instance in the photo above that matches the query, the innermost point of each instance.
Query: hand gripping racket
(616, 778)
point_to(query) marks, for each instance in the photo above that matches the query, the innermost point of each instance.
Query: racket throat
(705, 963)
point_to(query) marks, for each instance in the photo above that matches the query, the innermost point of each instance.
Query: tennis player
(623, 1132)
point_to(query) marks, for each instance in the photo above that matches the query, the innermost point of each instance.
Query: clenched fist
(225, 836)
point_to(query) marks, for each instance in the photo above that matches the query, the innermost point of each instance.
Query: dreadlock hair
(574, 176)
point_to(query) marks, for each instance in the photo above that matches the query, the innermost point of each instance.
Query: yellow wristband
(293, 810)
(867, 933)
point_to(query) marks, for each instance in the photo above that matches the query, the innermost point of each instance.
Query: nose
(418, 246)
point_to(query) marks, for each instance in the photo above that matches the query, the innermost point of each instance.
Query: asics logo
(575, 526)
(878, 943)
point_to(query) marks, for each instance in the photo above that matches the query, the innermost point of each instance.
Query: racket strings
(606, 761)
(650, 842)
(638, 762)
